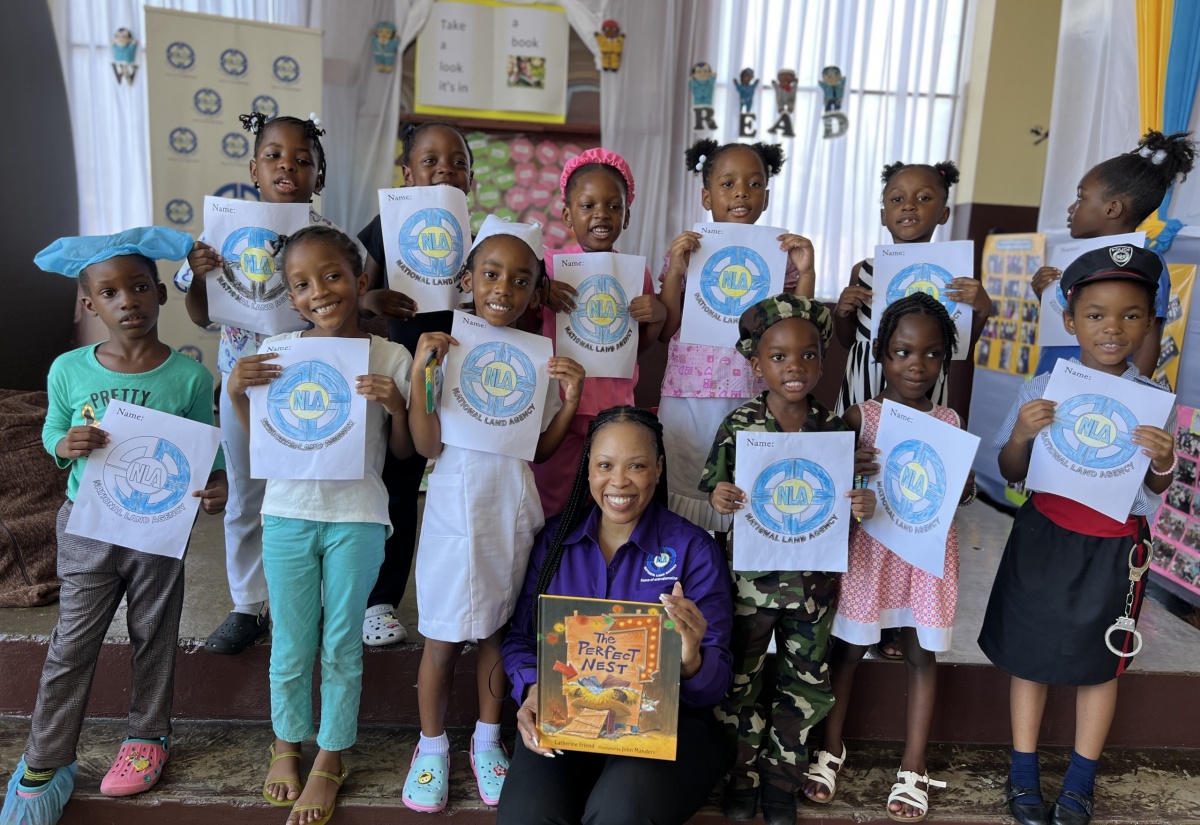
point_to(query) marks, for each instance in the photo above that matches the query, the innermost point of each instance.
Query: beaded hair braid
(922, 304)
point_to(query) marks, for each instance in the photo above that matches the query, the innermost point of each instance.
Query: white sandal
(381, 627)
(906, 792)
(825, 769)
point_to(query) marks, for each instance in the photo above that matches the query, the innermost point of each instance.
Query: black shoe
(236, 633)
(778, 807)
(1026, 813)
(740, 804)
(1069, 816)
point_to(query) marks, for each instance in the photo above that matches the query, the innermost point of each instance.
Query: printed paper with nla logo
(924, 463)
(1060, 254)
(1087, 453)
(248, 290)
(599, 334)
(137, 491)
(496, 397)
(902, 269)
(310, 423)
(735, 267)
(426, 235)
(796, 515)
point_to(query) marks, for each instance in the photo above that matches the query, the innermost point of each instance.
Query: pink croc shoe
(137, 768)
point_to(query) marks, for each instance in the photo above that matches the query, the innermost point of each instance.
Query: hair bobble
(1158, 157)
(1145, 151)
(316, 121)
(700, 163)
(253, 122)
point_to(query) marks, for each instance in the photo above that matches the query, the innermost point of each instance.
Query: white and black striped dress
(864, 377)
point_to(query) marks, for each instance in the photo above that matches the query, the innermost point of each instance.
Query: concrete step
(1155, 709)
(217, 769)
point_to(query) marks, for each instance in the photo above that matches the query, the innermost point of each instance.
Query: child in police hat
(120, 285)
(1066, 571)
(784, 338)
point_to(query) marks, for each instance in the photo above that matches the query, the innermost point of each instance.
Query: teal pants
(305, 560)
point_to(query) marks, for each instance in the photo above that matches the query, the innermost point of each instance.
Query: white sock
(252, 609)
(434, 745)
(487, 736)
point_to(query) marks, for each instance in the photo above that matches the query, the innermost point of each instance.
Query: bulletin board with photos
(1176, 527)
(1009, 339)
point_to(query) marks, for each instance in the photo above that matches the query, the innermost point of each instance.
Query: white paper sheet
(1086, 454)
(1060, 254)
(426, 235)
(494, 388)
(902, 269)
(137, 491)
(924, 463)
(599, 334)
(309, 423)
(797, 515)
(735, 267)
(248, 291)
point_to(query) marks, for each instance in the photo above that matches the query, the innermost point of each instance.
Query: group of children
(330, 554)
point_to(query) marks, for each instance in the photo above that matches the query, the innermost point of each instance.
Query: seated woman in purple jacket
(615, 524)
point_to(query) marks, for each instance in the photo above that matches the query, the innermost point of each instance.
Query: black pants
(595, 789)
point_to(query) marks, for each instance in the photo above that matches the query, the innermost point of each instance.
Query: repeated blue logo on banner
(792, 496)
(309, 401)
(147, 475)
(734, 279)
(235, 146)
(234, 62)
(179, 212)
(498, 380)
(286, 69)
(181, 56)
(207, 101)
(267, 105)
(1094, 431)
(183, 141)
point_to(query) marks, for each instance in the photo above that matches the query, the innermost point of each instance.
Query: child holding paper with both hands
(784, 339)
(1068, 570)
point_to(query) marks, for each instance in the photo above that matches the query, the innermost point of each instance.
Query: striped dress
(864, 377)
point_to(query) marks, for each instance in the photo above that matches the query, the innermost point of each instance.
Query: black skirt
(1055, 595)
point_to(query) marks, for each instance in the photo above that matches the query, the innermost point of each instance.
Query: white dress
(482, 512)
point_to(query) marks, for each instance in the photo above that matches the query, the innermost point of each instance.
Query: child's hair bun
(948, 171)
(1175, 155)
(700, 156)
(945, 171)
(772, 157)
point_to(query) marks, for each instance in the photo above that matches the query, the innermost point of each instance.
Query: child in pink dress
(597, 189)
(880, 589)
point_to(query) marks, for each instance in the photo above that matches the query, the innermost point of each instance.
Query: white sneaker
(381, 627)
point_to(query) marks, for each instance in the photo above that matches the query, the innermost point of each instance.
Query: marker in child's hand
(859, 483)
(429, 381)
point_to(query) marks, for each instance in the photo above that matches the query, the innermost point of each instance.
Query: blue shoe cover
(46, 804)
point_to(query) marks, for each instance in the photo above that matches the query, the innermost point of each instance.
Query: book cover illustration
(608, 677)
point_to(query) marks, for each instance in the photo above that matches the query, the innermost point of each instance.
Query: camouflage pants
(798, 609)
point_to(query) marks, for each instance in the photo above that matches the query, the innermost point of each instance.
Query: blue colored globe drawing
(147, 475)
(249, 264)
(309, 401)
(914, 481)
(1094, 431)
(733, 279)
(793, 496)
(931, 279)
(601, 314)
(431, 244)
(498, 380)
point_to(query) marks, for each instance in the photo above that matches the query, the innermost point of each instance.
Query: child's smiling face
(914, 205)
(1109, 319)
(788, 358)
(324, 287)
(596, 212)
(439, 157)
(285, 165)
(737, 187)
(503, 279)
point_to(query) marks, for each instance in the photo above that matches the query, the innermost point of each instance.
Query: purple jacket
(639, 572)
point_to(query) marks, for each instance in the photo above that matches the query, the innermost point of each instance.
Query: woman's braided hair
(580, 503)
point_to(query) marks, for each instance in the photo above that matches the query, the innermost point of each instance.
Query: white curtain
(901, 61)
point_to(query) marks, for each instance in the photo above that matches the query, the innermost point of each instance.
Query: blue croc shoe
(38, 806)
(490, 767)
(427, 787)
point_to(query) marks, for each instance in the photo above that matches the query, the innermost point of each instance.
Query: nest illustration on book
(608, 677)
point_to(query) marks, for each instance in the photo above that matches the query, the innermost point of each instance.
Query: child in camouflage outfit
(784, 338)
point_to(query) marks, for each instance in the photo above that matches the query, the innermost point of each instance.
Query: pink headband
(606, 157)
